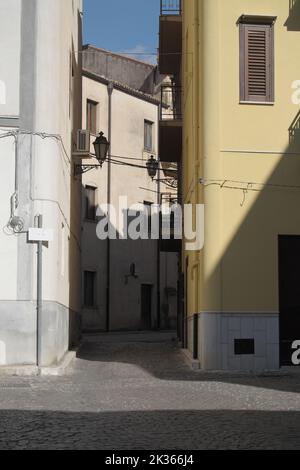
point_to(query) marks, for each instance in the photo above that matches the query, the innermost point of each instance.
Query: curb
(59, 369)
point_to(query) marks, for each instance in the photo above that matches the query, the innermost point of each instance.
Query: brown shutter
(91, 116)
(257, 62)
(90, 203)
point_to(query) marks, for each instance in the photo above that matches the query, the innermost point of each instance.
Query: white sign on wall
(40, 235)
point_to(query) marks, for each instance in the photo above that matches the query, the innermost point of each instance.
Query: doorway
(289, 295)
(146, 306)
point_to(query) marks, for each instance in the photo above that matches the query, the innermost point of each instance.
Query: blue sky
(123, 25)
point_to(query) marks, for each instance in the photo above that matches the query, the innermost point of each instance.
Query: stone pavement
(135, 392)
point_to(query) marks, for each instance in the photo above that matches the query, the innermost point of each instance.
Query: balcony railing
(170, 7)
(171, 102)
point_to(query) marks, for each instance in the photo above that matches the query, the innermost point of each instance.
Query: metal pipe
(158, 242)
(39, 302)
(110, 89)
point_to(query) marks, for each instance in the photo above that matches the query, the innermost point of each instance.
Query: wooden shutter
(90, 201)
(148, 144)
(257, 62)
(91, 116)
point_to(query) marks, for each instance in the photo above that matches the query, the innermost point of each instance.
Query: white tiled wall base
(218, 331)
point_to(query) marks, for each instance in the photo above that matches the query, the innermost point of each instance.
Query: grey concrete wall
(55, 332)
(17, 333)
(216, 335)
(129, 72)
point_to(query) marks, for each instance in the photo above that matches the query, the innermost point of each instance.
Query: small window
(148, 139)
(91, 116)
(148, 212)
(257, 59)
(89, 288)
(90, 203)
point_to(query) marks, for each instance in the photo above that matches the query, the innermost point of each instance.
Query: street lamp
(152, 167)
(101, 146)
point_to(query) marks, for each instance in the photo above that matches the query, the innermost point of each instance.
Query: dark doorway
(289, 295)
(186, 291)
(146, 306)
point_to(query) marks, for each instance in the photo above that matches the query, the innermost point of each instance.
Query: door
(146, 306)
(186, 303)
(289, 295)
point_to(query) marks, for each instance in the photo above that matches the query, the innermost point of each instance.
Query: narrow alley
(135, 391)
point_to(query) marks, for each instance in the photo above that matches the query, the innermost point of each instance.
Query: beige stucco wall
(127, 140)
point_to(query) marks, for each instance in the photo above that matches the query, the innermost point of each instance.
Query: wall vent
(244, 347)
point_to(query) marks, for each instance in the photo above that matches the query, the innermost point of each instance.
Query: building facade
(40, 112)
(239, 66)
(126, 284)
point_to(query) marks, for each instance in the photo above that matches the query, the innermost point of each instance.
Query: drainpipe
(39, 297)
(110, 89)
(158, 242)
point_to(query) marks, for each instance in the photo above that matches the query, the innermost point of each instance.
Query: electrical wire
(44, 135)
(116, 162)
(129, 158)
(249, 185)
(124, 53)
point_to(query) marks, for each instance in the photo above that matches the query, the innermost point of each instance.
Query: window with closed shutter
(90, 203)
(257, 59)
(148, 136)
(91, 116)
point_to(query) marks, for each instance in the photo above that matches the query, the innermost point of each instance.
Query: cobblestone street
(122, 394)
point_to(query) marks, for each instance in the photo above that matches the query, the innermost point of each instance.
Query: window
(89, 288)
(148, 139)
(148, 211)
(90, 203)
(257, 59)
(91, 116)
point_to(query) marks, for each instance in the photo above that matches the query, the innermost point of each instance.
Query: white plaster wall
(52, 191)
(8, 242)
(10, 22)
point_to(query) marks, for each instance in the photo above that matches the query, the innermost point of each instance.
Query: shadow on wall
(133, 296)
(292, 22)
(148, 430)
(256, 238)
(75, 209)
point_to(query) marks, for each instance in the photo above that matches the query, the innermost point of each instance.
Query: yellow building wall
(230, 145)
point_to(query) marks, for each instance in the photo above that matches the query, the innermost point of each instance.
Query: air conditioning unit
(83, 141)
(84, 144)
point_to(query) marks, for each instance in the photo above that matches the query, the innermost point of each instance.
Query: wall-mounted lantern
(101, 146)
(152, 167)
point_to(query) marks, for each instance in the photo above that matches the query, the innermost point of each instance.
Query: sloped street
(137, 392)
